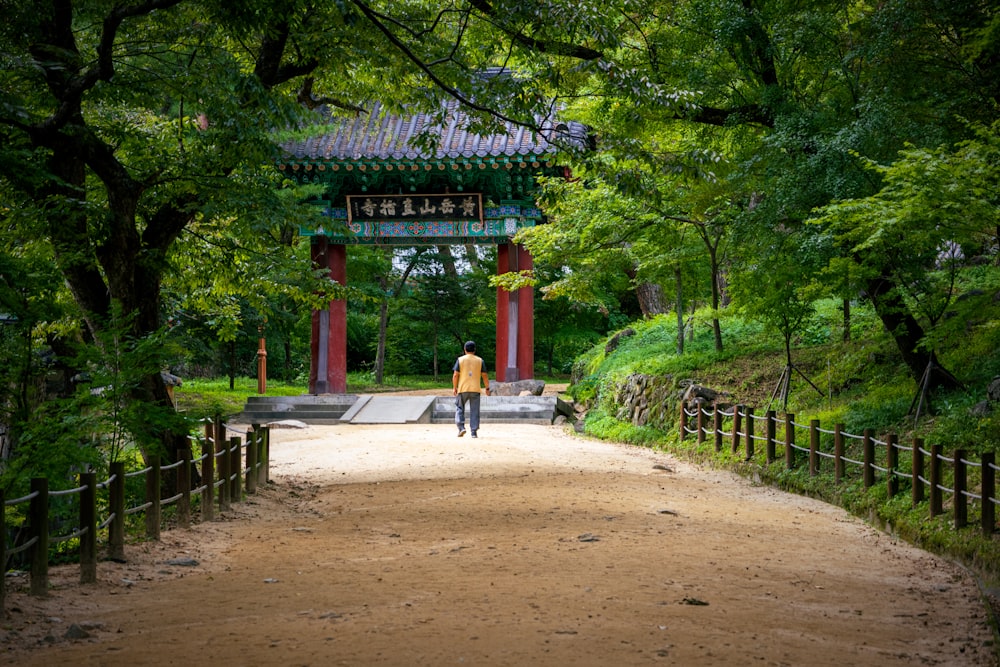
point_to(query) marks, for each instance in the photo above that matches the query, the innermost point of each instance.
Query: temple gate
(380, 189)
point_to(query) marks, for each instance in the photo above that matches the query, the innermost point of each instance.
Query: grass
(859, 383)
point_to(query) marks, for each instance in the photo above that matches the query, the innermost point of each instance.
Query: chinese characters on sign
(415, 207)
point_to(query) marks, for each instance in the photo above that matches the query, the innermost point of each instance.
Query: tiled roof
(380, 135)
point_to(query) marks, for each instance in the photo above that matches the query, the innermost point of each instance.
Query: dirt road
(384, 545)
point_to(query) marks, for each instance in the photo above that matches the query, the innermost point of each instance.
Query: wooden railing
(930, 474)
(227, 467)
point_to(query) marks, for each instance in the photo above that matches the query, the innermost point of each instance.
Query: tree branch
(416, 60)
(555, 47)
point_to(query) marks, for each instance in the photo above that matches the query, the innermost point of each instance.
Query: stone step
(324, 409)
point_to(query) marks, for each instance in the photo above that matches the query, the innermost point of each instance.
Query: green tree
(934, 207)
(792, 97)
(127, 125)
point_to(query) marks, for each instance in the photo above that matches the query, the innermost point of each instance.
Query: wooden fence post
(748, 448)
(868, 445)
(813, 447)
(184, 488)
(88, 528)
(737, 419)
(208, 475)
(267, 454)
(838, 452)
(701, 422)
(253, 442)
(789, 440)
(935, 480)
(891, 465)
(116, 506)
(235, 469)
(769, 431)
(684, 421)
(38, 522)
(3, 551)
(222, 465)
(989, 484)
(717, 426)
(917, 490)
(153, 498)
(961, 501)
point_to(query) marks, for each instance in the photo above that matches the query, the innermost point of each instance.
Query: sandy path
(408, 546)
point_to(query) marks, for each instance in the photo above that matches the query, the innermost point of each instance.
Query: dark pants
(472, 398)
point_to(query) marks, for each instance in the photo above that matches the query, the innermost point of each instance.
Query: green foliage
(202, 398)
(605, 427)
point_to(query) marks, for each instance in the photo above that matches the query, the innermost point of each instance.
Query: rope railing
(930, 474)
(66, 492)
(226, 473)
(22, 499)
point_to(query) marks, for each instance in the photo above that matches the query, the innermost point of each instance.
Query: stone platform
(385, 409)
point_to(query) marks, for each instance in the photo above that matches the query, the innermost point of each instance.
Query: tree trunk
(651, 300)
(472, 256)
(383, 327)
(679, 307)
(447, 261)
(907, 333)
(847, 320)
(716, 298)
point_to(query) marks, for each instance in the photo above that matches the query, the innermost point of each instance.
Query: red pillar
(328, 347)
(526, 320)
(503, 309)
(515, 352)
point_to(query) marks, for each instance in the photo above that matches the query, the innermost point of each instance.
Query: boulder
(696, 393)
(993, 390)
(613, 342)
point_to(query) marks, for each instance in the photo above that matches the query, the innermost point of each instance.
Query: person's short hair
(470, 346)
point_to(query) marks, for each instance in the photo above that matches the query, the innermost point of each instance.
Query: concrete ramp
(374, 409)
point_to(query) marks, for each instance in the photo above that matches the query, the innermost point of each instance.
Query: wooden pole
(3, 551)
(153, 498)
(989, 484)
(266, 456)
(208, 474)
(769, 436)
(961, 501)
(184, 488)
(748, 447)
(892, 465)
(701, 423)
(789, 440)
(935, 481)
(684, 421)
(116, 503)
(88, 527)
(38, 522)
(261, 363)
(813, 447)
(253, 442)
(717, 426)
(917, 490)
(737, 425)
(838, 452)
(235, 469)
(222, 450)
(868, 446)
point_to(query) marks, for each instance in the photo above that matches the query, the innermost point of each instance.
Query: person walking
(467, 373)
